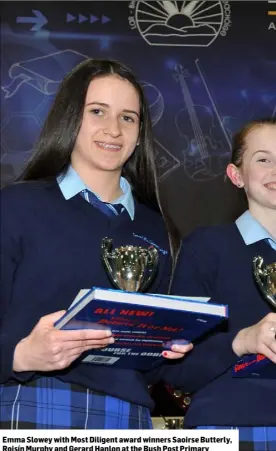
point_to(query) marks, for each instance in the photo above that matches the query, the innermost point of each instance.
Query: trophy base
(167, 422)
(170, 407)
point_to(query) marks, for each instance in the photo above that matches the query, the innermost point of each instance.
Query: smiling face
(257, 173)
(110, 126)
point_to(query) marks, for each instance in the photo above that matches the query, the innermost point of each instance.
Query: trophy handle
(258, 268)
(106, 247)
(258, 271)
(153, 262)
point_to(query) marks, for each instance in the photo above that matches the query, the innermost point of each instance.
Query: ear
(234, 174)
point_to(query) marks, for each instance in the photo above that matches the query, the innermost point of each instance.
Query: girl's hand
(258, 339)
(178, 349)
(49, 349)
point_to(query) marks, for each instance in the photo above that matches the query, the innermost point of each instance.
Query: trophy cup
(133, 268)
(265, 276)
(130, 268)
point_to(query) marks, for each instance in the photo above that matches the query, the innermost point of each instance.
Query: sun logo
(191, 23)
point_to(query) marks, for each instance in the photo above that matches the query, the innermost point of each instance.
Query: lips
(109, 146)
(271, 186)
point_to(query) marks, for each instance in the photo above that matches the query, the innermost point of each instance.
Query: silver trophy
(265, 276)
(130, 268)
(133, 268)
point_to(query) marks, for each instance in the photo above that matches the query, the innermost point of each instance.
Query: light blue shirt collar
(252, 231)
(71, 184)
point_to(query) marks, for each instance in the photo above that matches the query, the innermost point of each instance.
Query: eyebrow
(261, 151)
(108, 106)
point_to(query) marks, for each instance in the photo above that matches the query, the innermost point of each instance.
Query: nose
(112, 127)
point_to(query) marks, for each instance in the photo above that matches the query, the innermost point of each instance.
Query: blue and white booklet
(143, 325)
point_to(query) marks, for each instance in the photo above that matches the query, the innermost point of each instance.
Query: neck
(105, 184)
(266, 217)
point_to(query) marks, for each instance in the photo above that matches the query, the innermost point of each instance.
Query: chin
(110, 167)
(273, 201)
(271, 204)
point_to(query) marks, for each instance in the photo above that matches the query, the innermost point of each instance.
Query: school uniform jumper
(50, 248)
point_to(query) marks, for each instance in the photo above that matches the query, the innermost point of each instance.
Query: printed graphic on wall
(206, 70)
(272, 15)
(207, 147)
(180, 23)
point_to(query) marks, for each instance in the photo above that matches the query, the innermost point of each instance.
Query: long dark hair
(239, 140)
(55, 145)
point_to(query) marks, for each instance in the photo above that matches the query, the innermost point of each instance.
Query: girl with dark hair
(218, 262)
(92, 176)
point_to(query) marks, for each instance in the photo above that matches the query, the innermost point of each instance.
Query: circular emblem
(182, 23)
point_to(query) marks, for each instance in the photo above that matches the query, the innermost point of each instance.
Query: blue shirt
(252, 231)
(71, 184)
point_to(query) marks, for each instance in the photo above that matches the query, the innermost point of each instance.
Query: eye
(127, 118)
(263, 160)
(97, 111)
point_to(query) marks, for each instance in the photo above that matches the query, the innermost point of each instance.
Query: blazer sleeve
(11, 250)
(195, 275)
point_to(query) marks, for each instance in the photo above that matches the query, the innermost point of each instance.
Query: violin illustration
(207, 152)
